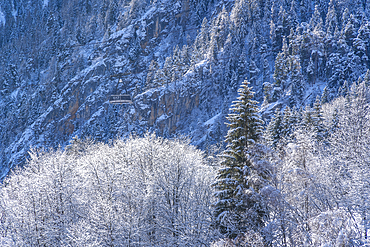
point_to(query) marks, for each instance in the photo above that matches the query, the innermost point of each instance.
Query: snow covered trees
(239, 205)
(349, 143)
(140, 192)
(322, 172)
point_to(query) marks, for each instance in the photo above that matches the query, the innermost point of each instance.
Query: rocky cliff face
(181, 61)
(57, 78)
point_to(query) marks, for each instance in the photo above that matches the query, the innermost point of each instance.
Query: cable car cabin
(120, 99)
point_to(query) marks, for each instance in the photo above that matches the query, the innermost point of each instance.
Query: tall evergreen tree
(318, 120)
(253, 72)
(316, 22)
(296, 79)
(240, 17)
(273, 130)
(325, 97)
(153, 68)
(288, 123)
(306, 10)
(199, 45)
(281, 70)
(292, 18)
(331, 19)
(239, 205)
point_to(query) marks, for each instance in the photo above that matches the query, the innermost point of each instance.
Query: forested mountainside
(181, 61)
(303, 181)
(290, 165)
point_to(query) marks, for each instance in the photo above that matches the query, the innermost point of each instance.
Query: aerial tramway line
(120, 99)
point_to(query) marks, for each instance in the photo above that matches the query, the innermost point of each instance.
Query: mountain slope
(60, 62)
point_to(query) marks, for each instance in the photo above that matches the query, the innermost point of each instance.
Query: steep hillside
(180, 60)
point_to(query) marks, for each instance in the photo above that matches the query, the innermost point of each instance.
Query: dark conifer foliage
(240, 206)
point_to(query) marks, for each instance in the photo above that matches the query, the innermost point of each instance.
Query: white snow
(132, 111)
(14, 14)
(2, 18)
(162, 117)
(126, 33)
(45, 3)
(14, 94)
(212, 120)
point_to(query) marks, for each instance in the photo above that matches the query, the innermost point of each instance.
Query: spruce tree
(288, 124)
(281, 70)
(200, 43)
(316, 22)
(239, 205)
(273, 130)
(307, 118)
(318, 120)
(253, 72)
(366, 78)
(331, 20)
(296, 79)
(153, 68)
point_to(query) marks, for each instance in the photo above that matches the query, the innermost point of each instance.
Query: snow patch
(14, 94)
(2, 18)
(212, 120)
(15, 14)
(162, 117)
(45, 3)
(132, 111)
(126, 33)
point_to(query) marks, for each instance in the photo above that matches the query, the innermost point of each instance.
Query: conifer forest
(215, 123)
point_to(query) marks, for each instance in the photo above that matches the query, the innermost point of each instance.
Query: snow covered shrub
(140, 192)
(248, 239)
(334, 228)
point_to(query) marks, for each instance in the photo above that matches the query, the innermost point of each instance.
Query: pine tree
(331, 20)
(268, 92)
(239, 15)
(294, 43)
(253, 72)
(349, 30)
(274, 38)
(359, 47)
(178, 67)
(11, 77)
(318, 120)
(281, 70)
(344, 89)
(153, 68)
(200, 43)
(364, 35)
(325, 97)
(186, 57)
(306, 10)
(292, 16)
(239, 205)
(288, 123)
(242, 65)
(296, 80)
(221, 27)
(366, 78)
(316, 22)
(307, 118)
(273, 130)
(167, 71)
(160, 78)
